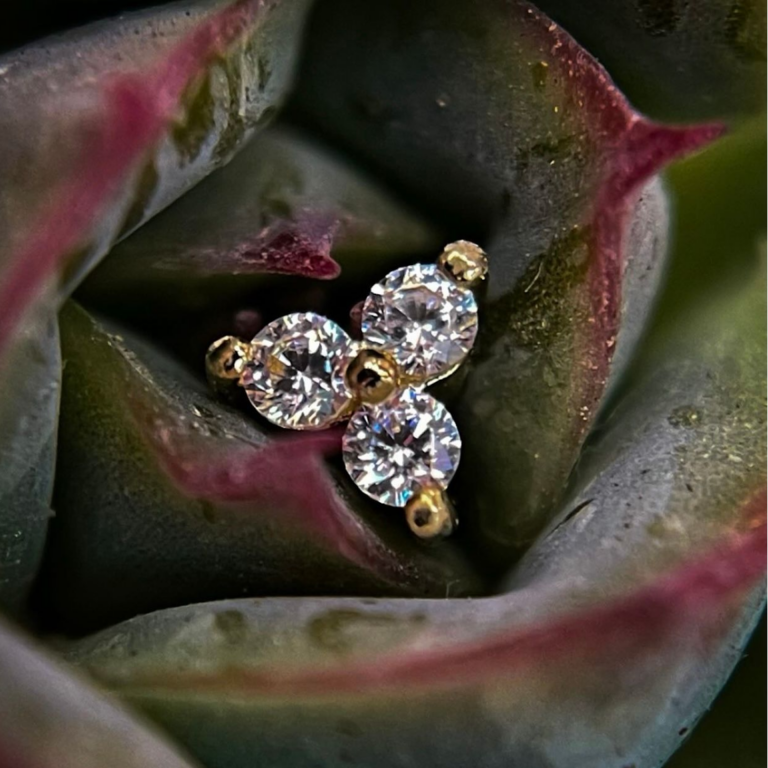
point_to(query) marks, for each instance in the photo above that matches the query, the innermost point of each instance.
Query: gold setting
(372, 376)
(464, 262)
(225, 362)
(430, 514)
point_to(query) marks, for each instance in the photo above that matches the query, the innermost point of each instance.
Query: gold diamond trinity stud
(401, 446)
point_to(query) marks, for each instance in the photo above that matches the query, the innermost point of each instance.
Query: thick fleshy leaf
(675, 59)
(101, 128)
(619, 627)
(489, 112)
(28, 423)
(278, 208)
(50, 718)
(164, 496)
(284, 206)
(107, 125)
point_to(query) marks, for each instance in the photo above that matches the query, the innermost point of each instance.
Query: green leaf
(165, 496)
(676, 60)
(50, 718)
(109, 124)
(493, 115)
(29, 411)
(101, 128)
(284, 206)
(620, 625)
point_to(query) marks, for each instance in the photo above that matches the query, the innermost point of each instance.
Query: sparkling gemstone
(426, 321)
(408, 442)
(295, 375)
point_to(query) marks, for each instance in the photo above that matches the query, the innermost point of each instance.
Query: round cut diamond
(393, 449)
(423, 319)
(295, 374)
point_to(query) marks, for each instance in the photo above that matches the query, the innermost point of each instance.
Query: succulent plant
(199, 168)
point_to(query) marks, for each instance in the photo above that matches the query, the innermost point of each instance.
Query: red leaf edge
(690, 596)
(636, 150)
(301, 247)
(137, 107)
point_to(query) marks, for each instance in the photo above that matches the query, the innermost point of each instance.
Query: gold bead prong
(464, 262)
(430, 514)
(225, 362)
(372, 376)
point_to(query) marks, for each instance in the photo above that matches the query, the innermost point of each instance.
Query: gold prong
(429, 513)
(225, 362)
(464, 262)
(372, 376)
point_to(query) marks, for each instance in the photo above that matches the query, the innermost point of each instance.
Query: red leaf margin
(637, 149)
(693, 595)
(289, 471)
(645, 149)
(300, 247)
(137, 108)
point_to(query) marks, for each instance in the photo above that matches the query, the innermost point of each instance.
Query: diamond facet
(394, 449)
(295, 375)
(425, 320)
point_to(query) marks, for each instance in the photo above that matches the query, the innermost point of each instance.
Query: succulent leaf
(29, 412)
(281, 182)
(618, 628)
(732, 729)
(720, 204)
(285, 205)
(80, 116)
(490, 112)
(191, 500)
(51, 718)
(676, 60)
(619, 500)
(86, 131)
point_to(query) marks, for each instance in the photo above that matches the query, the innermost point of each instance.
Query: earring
(401, 446)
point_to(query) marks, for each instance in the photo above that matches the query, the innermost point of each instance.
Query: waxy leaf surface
(108, 124)
(284, 206)
(29, 412)
(101, 128)
(52, 718)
